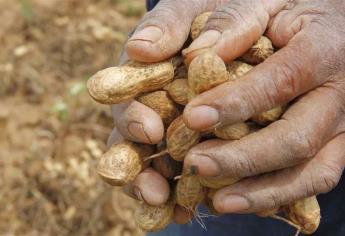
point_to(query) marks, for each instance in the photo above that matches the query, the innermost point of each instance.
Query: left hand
(301, 155)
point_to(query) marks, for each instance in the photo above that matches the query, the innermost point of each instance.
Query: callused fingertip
(231, 203)
(201, 165)
(150, 34)
(206, 40)
(201, 117)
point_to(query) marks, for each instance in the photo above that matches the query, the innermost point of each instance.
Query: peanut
(154, 218)
(123, 162)
(206, 71)
(161, 103)
(232, 132)
(237, 69)
(118, 84)
(305, 213)
(178, 91)
(199, 24)
(265, 118)
(259, 52)
(189, 192)
(180, 139)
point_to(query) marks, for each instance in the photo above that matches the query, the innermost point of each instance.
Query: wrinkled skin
(300, 155)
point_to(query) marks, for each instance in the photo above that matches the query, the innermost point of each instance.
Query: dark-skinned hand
(302, 154)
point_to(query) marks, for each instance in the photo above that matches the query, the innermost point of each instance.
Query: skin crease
(304, 150)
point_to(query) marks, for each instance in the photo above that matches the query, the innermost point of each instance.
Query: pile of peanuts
(167, 87)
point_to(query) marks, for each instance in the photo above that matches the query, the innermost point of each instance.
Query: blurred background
(51, 132)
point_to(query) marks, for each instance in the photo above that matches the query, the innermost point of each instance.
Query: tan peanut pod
(191, 95)
(232, 132)
(206, 71)
(268, 117)
(123, 162)
(305, 213)
(167, 166)
(180, 139)
(178, 91)
(199, 24)
(118, 84)
(217, 183)
(237, 69)
(154, 218)
(259, 52)
(161, 103)
(189, 192)
(269, 212)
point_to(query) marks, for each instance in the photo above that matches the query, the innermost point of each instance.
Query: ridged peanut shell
(259, 52)
(180, 139)
(118, 84)
(305, 213)
(123, 162)
(178, 91)
(160, 102)
(206, 71)
(232, 132)
(154, 218)
(268, 117)
(189, 192)
(237, 69)
(199, 24)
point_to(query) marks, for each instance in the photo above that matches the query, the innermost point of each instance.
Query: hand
(160, 35)
(300, 155)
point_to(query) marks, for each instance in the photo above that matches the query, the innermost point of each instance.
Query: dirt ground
(52, 133)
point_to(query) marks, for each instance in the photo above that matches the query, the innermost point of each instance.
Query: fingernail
(202, 117)
(150, 33)
(202, 165)
(235, 203)
(138, 132)
(137, 193)
(205, 40)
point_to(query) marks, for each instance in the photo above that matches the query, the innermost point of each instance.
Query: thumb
(164, 30)
(233, 28)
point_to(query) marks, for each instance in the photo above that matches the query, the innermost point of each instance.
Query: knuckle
(243, 166)
(324, 179)
(330, 176)
(274, 200)
(286, 74)
(304, 145)
(233, 14)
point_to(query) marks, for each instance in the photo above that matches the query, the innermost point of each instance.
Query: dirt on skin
(52, 133)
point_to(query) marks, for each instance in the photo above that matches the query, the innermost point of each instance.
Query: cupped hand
(301, 155)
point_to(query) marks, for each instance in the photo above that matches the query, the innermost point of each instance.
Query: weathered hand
(302, 154)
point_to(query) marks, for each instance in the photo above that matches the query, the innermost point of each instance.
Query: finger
(182, 215)
(150, 187)
(233, 28)
(138, 122)
(288, 73)
(297, 137)
(164, 30)
(320, 175)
